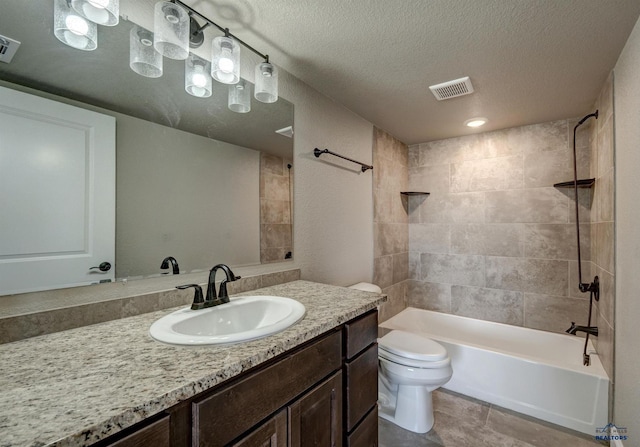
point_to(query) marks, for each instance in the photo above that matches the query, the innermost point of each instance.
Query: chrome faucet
(200, 302)
(592, 330)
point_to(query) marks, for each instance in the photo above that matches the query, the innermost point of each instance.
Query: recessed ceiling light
(475, 122)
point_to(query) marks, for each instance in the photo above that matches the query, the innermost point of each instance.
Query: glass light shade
(240, 97)
(143, 57)
(225, 60)
(72, 29)
(171, 30)
(266, 89)
(197, 77)
(102, 12)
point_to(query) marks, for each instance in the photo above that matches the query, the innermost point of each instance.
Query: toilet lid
(412, 346)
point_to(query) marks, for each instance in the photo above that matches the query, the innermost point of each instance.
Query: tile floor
(465, 422)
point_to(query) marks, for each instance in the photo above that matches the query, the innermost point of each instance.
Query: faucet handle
(198, 299)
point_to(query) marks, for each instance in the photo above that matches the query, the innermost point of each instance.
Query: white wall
(333, 199)
(627, 312)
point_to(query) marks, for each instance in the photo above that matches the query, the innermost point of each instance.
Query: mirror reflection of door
(57, 194)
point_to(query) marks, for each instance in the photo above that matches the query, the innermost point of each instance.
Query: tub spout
(592, 330)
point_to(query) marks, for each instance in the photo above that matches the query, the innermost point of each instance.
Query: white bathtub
(529, 371)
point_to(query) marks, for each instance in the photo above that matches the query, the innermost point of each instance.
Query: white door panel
(57, 194)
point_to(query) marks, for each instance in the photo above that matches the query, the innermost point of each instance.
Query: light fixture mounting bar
(224, 30)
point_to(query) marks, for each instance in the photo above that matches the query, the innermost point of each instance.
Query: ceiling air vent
(8, 48)
(451, 89)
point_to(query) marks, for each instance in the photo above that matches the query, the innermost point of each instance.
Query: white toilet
(410, 367)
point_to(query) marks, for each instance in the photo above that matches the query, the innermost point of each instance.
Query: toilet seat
(412, 363)
(414, 350)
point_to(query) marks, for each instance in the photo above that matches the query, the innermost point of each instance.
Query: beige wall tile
(453, 269)
(487, 239)
(553, 313)
(556, 241)
(271, 164)
(547, 168)
(383, 271)
(395, 301)
(543, 137)
(487, 175)
(429, 296)
(604, 344)
(400, 267)
(432, 178)
(488, 304)
(605, 147)
(528, 275)
(392, 238)
(607, 296)
(466, 207)
(429, 238)
(543, 205)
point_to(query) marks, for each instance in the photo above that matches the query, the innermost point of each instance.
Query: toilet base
(412, 409)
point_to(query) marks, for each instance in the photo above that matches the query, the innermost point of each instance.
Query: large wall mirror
(194, 180)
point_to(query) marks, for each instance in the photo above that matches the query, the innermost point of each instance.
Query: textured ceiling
(529, 61)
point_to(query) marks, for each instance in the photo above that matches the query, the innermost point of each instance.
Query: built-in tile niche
(495, 240)
(276, 208)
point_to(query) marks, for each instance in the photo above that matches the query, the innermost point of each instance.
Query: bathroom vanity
(112, 385)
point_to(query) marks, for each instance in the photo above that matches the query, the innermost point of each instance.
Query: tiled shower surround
(275, 208)
(495, 240)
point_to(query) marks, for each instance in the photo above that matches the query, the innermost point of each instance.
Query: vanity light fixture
(225, 63)
(175, 31)
(101, 12)
(197, 80)
(72, 29)
(476, 122)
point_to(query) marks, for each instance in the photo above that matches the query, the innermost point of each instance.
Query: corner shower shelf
(414, 193)
(584, 183)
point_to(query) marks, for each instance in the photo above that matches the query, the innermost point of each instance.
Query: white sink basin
(242, 319)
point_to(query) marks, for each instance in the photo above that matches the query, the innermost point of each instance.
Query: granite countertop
(79, 386)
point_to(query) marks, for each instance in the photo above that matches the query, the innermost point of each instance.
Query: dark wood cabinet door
(272, 433)
(362, 386)
(315, 420)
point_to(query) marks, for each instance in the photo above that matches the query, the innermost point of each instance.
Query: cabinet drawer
(223, 416)
(360, 333)
(362, 385)
(155, 434)
(366, 434)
